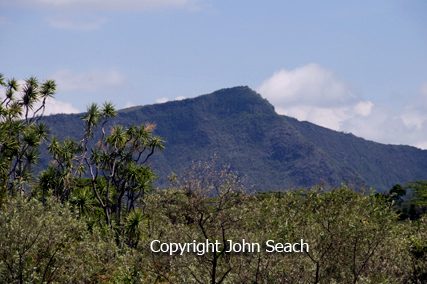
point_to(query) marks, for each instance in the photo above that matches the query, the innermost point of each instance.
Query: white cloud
(129, 104)
(162, 100)
(315, 94)
(327, 117)
(82, 22)
(382, 125)
(101, 5)
(180, 98)
(363, 108)
(421, 145)
(309, 84)
(387, 127)
(54, 106)
(91, 81)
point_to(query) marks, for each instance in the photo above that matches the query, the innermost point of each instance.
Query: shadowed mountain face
(273, 151)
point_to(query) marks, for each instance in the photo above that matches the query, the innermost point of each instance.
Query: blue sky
(353, 66)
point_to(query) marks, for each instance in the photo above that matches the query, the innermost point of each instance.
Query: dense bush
(46, 242)
(353, 237)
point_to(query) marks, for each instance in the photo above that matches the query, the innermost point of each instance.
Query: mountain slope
(273, 151)
(381, 165)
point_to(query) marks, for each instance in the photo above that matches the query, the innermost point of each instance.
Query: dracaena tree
(61, 175)
(120, 160)
(114, 162)
(21, 132)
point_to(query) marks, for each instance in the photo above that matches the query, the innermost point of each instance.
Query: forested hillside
(273, 151)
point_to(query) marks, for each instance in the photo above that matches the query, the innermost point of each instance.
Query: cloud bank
(129, 104)
(318, 95)
(162, 100)
(54, 106)
(165, 99)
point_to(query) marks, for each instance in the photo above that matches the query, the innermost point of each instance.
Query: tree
(117, 163)
(206, 202)
(414, 205)
(21, 133)
(419, 188)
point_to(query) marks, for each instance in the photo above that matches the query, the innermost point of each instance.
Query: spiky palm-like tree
(21, 133)
(116, 162)
(120, 159)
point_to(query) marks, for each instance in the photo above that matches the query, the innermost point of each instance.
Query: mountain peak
(235, 100)
(275, 152)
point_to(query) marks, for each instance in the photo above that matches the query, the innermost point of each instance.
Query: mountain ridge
(274, 151)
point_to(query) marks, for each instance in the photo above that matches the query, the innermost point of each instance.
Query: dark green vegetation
(352, 237)
(380, 165)
(410, 200)
(273, 151)
(90, 214)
